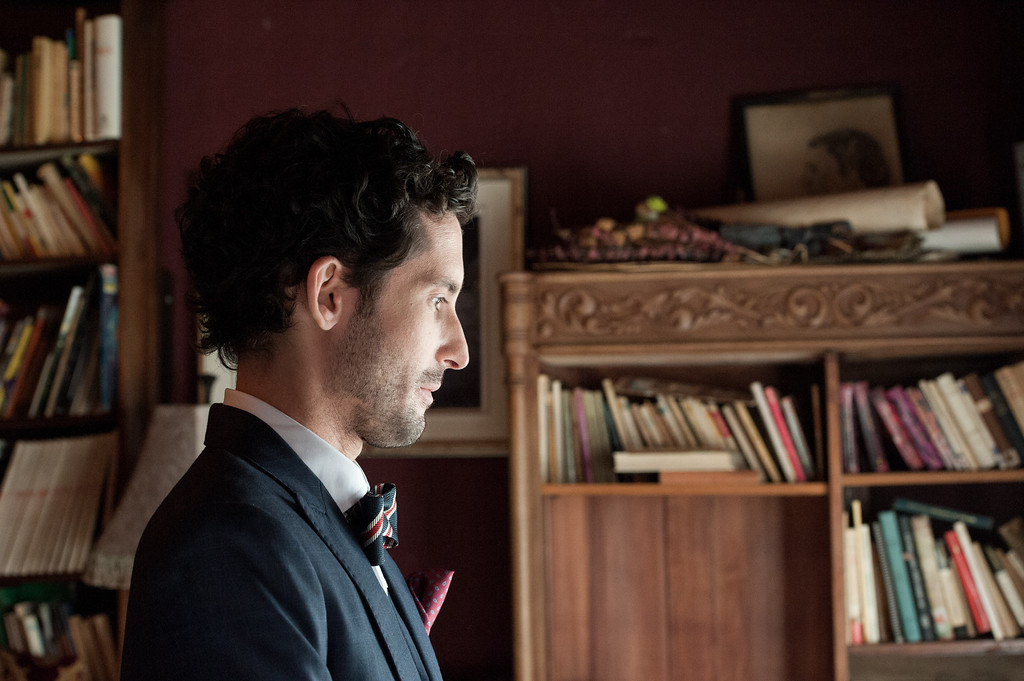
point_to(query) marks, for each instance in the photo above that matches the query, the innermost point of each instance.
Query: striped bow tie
(375, 520)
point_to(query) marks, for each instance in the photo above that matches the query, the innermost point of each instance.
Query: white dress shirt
(344, 478)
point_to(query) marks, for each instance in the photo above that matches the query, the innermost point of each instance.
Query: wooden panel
(692, 590)
(607, 622)
(569, 588)
(627, 561)
(741, 304)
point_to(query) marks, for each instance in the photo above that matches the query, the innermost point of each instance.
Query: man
(843, 160)
(325, 257)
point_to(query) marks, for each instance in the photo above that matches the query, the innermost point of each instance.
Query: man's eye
(438, 301)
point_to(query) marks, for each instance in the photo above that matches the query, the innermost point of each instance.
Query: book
(852, 587)
(1013, 598)
(903, 590)
(50, 371)
(866, 574)
(870, 435)
(962, 407)
(943, 513)
(917, 584)
(600, 443)
(961, 451)
(543, 425)
(50, 501)
(1003, 624)
(1012, 532)
(888, 585)
(771, 426)
(626, 435)
(952, 594)
(756, 439)
(14, 356)
(907, 415)
(924, 544)
(848, 429)
(74, 341)
(580, 413)
(746, 447)
(1007, 456)
(1001, 410)
(107, 70)
(897, 433)
(961, 563)
(695, 460)
(926, 417)
(796, 432)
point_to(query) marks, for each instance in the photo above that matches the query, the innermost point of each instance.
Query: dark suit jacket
(248, 570)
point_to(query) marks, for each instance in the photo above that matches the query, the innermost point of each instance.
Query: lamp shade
(173, 441)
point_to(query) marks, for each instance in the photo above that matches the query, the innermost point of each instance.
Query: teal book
(943, 513)
(900, 576)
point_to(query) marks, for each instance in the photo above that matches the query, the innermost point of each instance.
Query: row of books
(49, 637)
(65, 89)
(63, 212)
(922, 572)
(968, 423)
(635, 425)
(62, 362)
(50, 499)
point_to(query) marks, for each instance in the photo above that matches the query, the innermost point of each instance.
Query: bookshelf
(132, 162)
(643, 580)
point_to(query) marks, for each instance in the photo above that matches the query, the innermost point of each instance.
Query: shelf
(56, 426)
(973, 647)
(13, 158)
(930, 478)
(806, 489)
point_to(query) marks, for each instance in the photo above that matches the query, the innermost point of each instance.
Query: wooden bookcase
(641, 580)
(135, 155)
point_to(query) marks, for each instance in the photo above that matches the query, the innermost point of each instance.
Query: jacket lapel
(245, 435)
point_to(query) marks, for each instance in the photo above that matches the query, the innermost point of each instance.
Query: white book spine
(108, 51)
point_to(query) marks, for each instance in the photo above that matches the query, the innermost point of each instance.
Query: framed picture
(818, 142)
(470, 412)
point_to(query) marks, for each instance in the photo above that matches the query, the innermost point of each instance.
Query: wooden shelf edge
(930, 478)
(974, 647)
(805, 489)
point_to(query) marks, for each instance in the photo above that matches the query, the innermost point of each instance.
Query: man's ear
(328, 298)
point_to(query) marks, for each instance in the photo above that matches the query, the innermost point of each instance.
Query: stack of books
(62, 362)
(635, 428)
(63, 212)
(64, 89)
(922, 572)
(50, 499)
(966, 423)
(48, 639)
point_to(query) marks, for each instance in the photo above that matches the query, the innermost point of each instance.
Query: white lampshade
(173, 441)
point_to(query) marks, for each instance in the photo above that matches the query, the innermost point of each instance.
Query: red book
(963, 570)
(897, 432)
(787, 440)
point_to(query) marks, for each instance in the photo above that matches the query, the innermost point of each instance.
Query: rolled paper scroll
(914, 207)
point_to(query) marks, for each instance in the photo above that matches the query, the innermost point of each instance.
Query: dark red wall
(605, 103)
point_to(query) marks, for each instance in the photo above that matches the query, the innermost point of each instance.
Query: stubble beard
(369, 375)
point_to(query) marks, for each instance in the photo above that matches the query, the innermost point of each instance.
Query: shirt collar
(344, 478)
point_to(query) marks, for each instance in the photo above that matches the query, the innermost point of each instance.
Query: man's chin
(392, 440)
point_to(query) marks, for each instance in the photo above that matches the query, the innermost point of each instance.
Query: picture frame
(801, 143)
(470, 414)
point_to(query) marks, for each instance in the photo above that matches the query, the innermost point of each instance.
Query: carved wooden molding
(818, 302)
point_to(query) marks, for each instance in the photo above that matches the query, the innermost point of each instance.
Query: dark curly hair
(294, 186)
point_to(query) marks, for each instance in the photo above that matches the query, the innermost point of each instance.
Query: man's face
(394, 350)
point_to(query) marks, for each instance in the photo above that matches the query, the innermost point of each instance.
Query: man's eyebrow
(450, 284)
